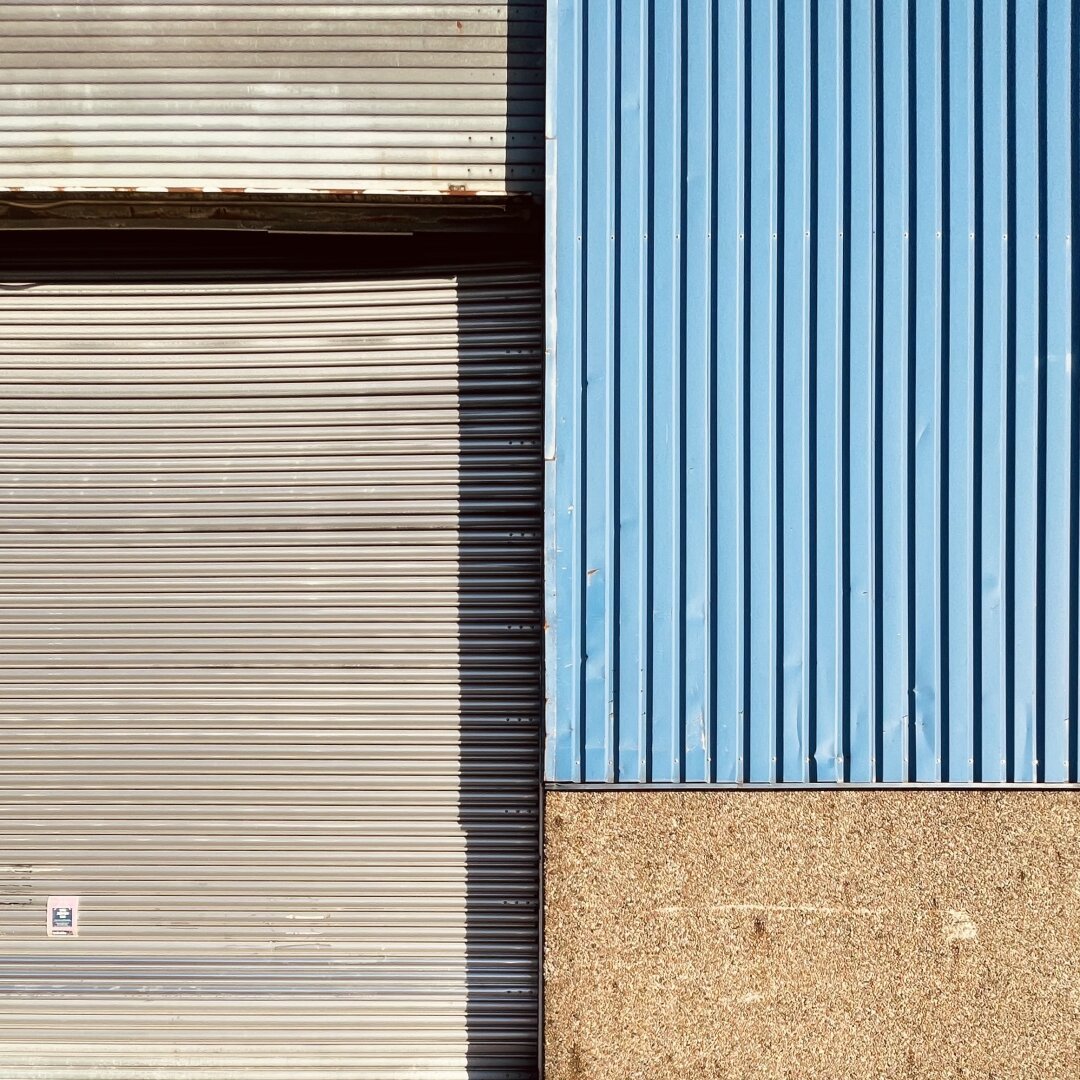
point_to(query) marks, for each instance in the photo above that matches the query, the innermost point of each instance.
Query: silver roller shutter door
(270, 572)
(272, 95)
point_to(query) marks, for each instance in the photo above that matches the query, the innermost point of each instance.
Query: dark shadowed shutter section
(269, 567)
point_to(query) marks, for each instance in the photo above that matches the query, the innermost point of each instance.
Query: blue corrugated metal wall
(813, 422)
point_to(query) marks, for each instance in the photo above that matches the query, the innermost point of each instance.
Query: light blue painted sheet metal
(813, 488)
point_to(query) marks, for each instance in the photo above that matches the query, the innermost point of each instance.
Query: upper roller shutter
(269, 568)
(272, 95)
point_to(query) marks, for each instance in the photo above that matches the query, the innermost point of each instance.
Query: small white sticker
(62, 916)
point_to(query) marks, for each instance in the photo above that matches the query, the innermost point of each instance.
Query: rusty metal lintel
(334, 212)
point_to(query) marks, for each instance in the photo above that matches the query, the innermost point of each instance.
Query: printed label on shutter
(62, 918)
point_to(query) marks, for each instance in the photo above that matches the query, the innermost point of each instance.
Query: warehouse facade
(768, 479)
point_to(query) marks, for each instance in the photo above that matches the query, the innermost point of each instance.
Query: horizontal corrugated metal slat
(270, 581)
(350, 97)
(814, 424)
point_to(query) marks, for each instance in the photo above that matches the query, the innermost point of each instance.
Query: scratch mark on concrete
(799, 909)
(958, 925)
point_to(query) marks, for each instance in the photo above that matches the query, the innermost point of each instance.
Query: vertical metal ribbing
(860, 451)
(1058, 463)
(599, 523)
(841, 466)
(927, 420)
(712, 660)
(960, 598)
(1026, 196)
(943, 407)
(840, 361)
(564, 423)
(877, 391)
(666, 429)
(810, 443)
(829, 370)
(911, 296)
(631, 623)
(698, 345)
(1009, 395)
(992, 343)
(727, 653)
(778, 715)
(793, 424)
(1074, 389)
(1042, 748)
(580, 506)
(743, 517)
(760, 393)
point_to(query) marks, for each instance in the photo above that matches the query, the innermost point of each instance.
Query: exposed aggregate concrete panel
(812, 935)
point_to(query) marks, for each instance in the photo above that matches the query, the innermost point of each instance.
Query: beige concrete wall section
(831, 935)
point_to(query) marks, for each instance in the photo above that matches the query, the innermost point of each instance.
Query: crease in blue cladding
(813, 484)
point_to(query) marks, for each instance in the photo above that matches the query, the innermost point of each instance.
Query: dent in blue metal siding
(813, 475)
